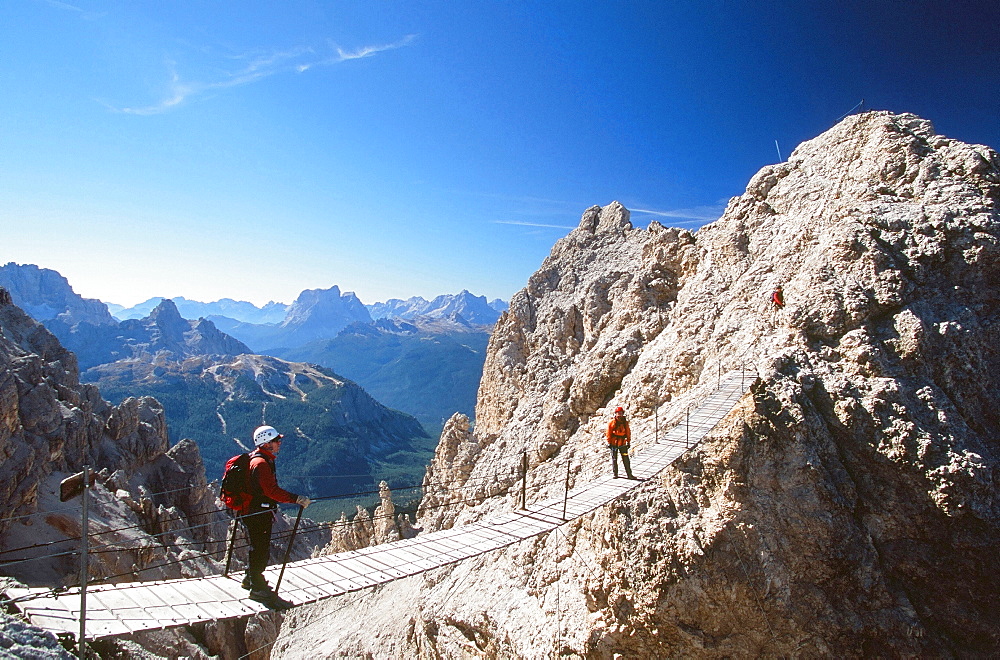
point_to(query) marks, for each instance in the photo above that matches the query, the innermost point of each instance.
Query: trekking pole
(288, 550)
(232, 541)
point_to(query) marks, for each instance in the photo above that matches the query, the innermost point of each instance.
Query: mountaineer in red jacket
(778, 297)
(619, 439)
(258, 517)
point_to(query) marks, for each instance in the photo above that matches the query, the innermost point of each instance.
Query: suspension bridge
(122, 609)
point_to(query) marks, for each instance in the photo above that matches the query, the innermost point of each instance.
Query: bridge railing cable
(136, 526)
(470, 483)
(211, 553)
(38, 513)
(49, 512)
(117, 546)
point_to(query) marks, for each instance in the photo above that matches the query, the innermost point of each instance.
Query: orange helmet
(619, 409)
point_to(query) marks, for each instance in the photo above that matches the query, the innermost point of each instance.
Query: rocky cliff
(51, 427)
(46, 295)
(848, 506)
(51, 422)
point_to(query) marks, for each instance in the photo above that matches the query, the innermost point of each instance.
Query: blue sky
(254, 149)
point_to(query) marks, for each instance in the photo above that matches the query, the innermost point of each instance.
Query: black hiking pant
(258, 526)
(623, 450)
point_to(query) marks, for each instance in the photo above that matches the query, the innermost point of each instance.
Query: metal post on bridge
(84, 563)
(566, 491)
(524, 477)
(687, 427)
(656, 423)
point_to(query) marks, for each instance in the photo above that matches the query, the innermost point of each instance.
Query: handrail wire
(441, 485)
(180, 532)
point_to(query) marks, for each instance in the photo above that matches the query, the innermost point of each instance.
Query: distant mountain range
(229, 313)
(240, 310)
(473, 309)
(319, 314)
(423, 358)
(163, 335)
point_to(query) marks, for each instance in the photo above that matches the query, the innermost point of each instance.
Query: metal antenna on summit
(857, 107)
(779, 151)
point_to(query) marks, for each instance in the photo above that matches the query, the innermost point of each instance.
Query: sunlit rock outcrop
(847, 507)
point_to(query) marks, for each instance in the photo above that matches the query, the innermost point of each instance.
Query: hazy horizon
(280, 302)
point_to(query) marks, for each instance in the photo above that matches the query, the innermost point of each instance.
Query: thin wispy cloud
(365, 51)
(523, 205)
(274, 61)
(531, 224)
(258, 67)
(368, 51)
(691, 215)
(63, 5)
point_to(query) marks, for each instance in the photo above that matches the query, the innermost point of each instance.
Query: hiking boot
(254, 582)
(270, 600)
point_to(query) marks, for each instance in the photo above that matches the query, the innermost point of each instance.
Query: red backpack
(235, 493)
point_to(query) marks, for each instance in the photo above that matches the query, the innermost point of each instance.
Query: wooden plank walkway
(131, 607)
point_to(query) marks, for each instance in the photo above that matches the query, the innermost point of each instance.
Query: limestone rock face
(562, 350)
(848, 506)
(50, 423)
(383, 525)
(46, 295)
(448, 473)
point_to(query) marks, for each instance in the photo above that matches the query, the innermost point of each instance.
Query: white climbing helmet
(265, 434)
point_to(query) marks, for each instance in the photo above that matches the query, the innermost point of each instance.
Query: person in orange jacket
(619, 438)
